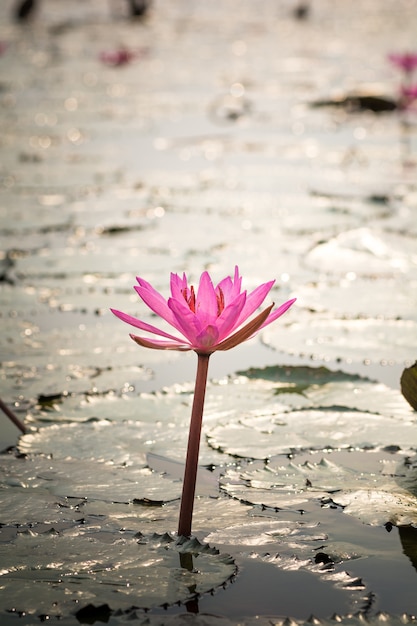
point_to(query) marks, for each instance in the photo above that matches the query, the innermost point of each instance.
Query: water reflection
(408, 537)
(186, 562)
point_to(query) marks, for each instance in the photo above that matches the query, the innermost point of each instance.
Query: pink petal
(246, 332)
(254, 300)
(178, 285)
(156, 344)
(154, 300)
(229, 318)
(133, 321)
(237, 282)
(206, 301)
(230, 288)
(185, 320)
(278, 312)
(207, 338)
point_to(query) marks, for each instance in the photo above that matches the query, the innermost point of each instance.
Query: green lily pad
(297, 379)
(297, 387)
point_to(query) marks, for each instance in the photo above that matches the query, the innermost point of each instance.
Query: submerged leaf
(297, 379)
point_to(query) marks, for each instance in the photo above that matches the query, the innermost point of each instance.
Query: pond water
(202, 136)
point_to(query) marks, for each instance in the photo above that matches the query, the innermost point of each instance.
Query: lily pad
(351, 340)
(301, 387)
(298, 378)
(376, 487)
(118, 442)
(81, 478)
(123, 570)
(23, 506)
(364, 251)
(262, 435)
(125, 427)
(260, 533)
(349, 297)
(380, 506)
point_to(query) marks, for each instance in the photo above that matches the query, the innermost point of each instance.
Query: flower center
(189, 297)
(220, 301)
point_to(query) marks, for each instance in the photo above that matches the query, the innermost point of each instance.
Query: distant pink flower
(118, 57)
(209, 319)
(408, 96)
(406, 61)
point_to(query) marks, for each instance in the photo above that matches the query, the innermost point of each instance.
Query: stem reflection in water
(186, 562)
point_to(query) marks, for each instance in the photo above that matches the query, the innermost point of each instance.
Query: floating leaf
(82, 478)
(122, 570)
(118, 442)
(323, 387)
(261, 435)
(376, 487)
(349, 297)
(260, 533)
(298, 378)
(351, 340)
(365, 251)
(23, 506)
(378, 507)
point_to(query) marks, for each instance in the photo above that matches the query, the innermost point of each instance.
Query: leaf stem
(12, 417)
(191, 464)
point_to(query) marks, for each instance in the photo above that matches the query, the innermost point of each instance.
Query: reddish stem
(191, 464)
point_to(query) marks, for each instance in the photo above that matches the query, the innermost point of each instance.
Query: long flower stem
(191, 464)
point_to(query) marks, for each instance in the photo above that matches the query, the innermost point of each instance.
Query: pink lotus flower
(208, 319)
(211, 319)
(406, 61)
